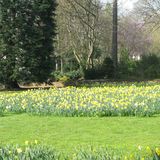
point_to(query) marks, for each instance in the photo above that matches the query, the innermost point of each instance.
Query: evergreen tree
(27, 30)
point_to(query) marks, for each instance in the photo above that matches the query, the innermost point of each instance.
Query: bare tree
(133, 36)
(149, 12)
(80, 29)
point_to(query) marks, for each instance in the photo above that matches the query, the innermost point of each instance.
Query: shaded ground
(76, 83)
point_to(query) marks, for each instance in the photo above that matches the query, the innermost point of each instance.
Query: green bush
(67, 76)
(105, 70)
(127, 70)
(56, 75)
(127, 67)
(64, 79)
(93, 73)
(149, 66)
(108, 68)
(74, 75)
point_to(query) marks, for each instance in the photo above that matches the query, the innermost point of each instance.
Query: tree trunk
(61, 65)
(115, 34)
(56, 65)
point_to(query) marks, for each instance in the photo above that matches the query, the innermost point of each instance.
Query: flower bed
(102, 100)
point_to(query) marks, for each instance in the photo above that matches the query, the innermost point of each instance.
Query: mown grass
(65, 134)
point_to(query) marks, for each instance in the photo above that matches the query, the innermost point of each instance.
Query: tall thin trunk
(56, 65)
(61, 65)
(114, 34)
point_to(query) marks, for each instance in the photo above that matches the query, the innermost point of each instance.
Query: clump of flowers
(39, 152)
(102, 100)
(28, 152)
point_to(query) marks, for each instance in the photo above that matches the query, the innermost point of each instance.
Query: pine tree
(27, 30)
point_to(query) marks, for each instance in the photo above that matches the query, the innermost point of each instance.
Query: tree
(115, 33)
(148, 11)
(27, 32)
(104, 38)
(133, 36)
(81, 19)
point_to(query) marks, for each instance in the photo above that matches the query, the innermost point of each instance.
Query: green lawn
(67, 133)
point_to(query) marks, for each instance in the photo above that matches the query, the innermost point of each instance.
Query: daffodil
(19, 150)
(140, 147)
(96, 101)
(158, 151)
(149, 151)
(36, 142)
(26, 143)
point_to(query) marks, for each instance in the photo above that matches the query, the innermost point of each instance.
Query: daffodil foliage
(102, 100)
(36, 151)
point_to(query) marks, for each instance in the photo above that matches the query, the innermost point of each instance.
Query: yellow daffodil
(149, 151)
(26, 143)
(140, 147)
(19, 150)
(36, 142)
(158, 151)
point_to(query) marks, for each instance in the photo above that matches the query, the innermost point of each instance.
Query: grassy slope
(68, 133)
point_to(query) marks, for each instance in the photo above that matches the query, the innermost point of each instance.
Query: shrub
(67, 76)
(108, 68)
(127, 70)
(127, 67)
(56, 75)
(149, 66)
(64, 79)
(105, 70)
(75, 74)
(92, 73)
